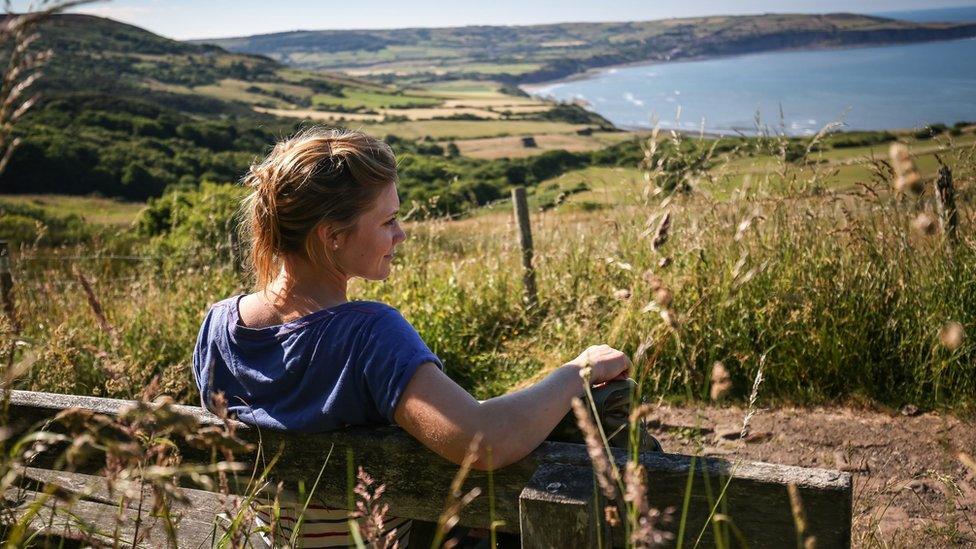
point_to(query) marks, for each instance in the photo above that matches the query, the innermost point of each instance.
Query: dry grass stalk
(645, 531)
(456, 499)
(23, 67)
(94, 303)
(662, 233)
(606, 475)
(752, 398)
(803, 538)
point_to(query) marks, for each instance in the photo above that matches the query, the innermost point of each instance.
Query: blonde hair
(314, 176)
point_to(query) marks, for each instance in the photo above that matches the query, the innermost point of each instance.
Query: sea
(794, 92)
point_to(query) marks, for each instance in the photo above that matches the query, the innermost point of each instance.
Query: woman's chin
(382, 274)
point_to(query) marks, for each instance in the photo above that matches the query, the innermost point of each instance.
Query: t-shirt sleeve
(393, 351)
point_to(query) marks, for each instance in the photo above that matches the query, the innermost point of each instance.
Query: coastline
(594, 72)
(632, 121)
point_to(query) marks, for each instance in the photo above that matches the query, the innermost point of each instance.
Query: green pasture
(462, 89)
(237, 90)
(461, 129)
(373, 100)
(93, 209)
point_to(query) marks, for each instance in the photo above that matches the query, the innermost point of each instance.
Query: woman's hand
(605, 362)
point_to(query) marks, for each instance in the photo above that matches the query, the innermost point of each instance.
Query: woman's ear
(326, 235)
(330, 237)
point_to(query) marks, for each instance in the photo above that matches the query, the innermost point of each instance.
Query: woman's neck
(300, 289)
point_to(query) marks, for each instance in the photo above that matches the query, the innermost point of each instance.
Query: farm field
(94, 210)
(460, 129)
(513, 147)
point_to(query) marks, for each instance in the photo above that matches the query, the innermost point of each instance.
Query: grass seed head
(907, 178)
(594, 447)
(721, 382)
(952, 335)
(925, 224)
(663, 297)
(653, 281)
(670, 319)
(662, 233)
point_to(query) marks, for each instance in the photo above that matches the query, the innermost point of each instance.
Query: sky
(187, 19)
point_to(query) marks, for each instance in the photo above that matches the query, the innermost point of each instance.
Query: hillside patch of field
(354, 98)
(512, 146)
(93, 209)
(464, 88)
(320, 116)
(229, 89)
(503, 102)
(461, 129)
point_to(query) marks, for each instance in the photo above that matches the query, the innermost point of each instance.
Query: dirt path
(910, 489)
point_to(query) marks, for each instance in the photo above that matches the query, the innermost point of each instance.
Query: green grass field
(95, 210)
(372, 100)
(461, 129)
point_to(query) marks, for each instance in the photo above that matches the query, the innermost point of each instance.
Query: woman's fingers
(606, 363)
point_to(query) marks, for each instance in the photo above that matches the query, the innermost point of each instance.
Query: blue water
(956, 14)
(862, 88)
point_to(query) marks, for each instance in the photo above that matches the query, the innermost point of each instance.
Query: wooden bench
(547, 498)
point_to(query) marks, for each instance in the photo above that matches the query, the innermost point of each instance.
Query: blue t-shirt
(345, 365)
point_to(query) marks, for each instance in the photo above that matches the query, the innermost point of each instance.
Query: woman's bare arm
(445, 417)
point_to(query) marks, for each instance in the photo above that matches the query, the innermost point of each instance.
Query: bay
(871, 88)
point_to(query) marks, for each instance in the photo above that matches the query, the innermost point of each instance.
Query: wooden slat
(417, 480)
(105, 523)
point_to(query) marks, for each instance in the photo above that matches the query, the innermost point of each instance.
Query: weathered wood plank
(95, 488)
(556, 509)
(417, 480)
(105, 523)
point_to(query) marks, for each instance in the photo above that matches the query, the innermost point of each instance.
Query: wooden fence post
(7, 287)
(525, 238)
(556, 509)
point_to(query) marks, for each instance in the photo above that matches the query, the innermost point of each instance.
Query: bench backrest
(548, 497)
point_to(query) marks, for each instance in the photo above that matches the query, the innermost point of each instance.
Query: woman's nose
(400, 235)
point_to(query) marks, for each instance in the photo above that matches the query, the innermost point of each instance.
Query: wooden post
(7, 287)
(556, 509)
(945, 201)
(525, 238)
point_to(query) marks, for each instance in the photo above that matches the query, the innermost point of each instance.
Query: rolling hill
(522, 54)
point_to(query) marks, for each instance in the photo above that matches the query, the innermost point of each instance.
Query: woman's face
(367, 249)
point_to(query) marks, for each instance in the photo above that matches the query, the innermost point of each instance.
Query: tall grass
(844, 298)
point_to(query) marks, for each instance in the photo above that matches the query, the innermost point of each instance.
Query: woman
(298, 355)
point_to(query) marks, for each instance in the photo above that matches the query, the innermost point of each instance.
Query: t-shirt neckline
(239, 329)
